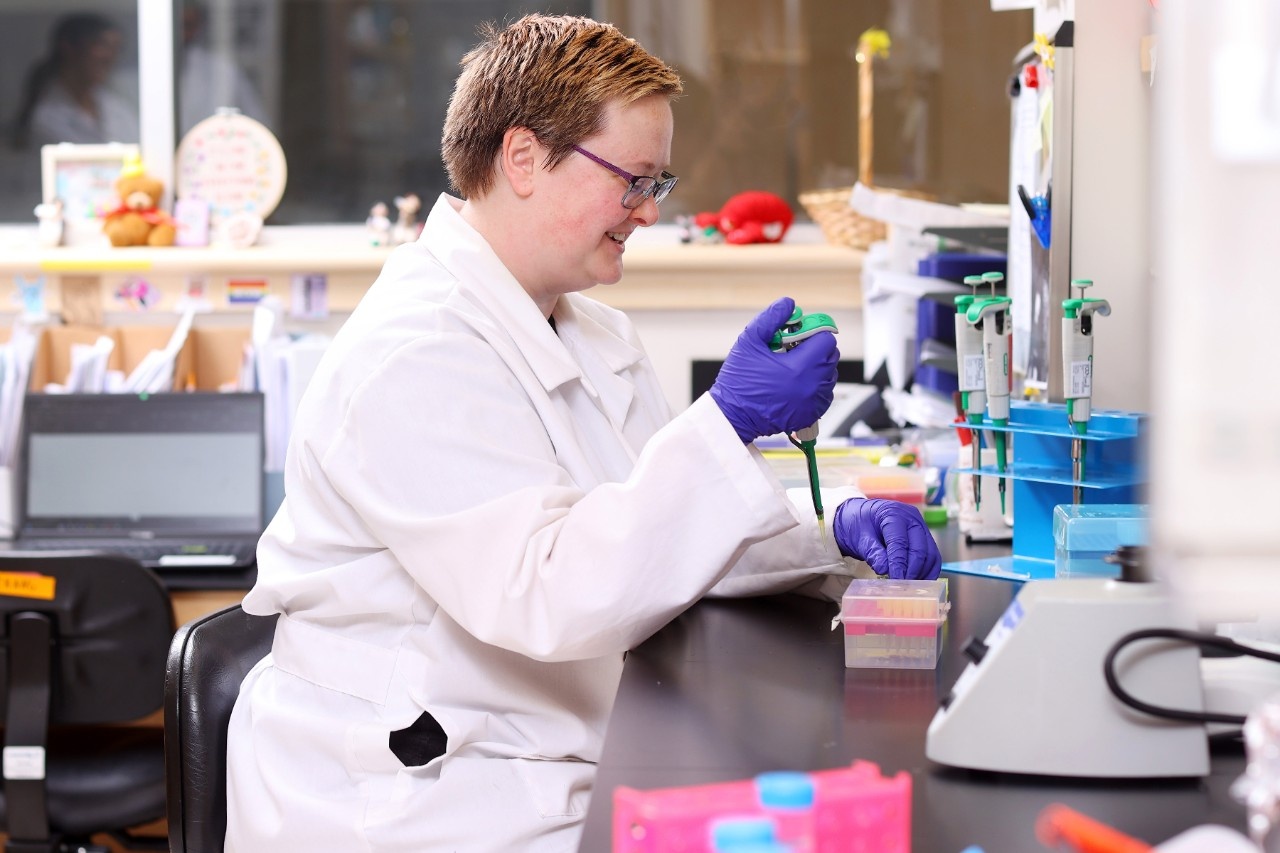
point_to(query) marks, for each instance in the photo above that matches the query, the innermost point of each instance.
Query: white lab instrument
(1034, 700)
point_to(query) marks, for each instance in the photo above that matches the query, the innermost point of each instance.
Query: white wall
(1215, 456)
(674, 339)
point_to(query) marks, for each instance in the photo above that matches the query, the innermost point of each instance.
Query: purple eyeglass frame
(637, 189)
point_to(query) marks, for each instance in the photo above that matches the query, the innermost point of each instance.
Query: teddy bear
(138, 221)
(754, 216)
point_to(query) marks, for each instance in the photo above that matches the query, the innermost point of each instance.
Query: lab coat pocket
(557, 787)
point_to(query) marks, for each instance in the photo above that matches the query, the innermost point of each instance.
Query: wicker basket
(844, 226)
(840, 223)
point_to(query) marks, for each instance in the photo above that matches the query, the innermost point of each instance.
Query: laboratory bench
(736, 687)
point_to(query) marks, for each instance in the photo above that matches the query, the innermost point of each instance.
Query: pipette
(1077, 372)
(991, 314)
(972, 377)
(799, 327)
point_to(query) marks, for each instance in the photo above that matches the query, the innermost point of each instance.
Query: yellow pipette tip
(822, 527)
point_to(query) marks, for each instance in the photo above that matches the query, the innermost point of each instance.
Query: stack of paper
(280, 366)
(154, 374)
(88, 368)
(15, 368)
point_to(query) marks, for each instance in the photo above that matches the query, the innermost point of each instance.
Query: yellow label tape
(95, 265)
(27, 585)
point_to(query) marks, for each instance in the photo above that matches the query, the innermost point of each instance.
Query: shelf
(1057, 476)
(1054, 432)
(660, 273)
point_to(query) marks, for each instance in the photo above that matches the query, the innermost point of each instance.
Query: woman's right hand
(763, 392)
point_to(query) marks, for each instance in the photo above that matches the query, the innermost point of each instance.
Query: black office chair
(82, 645)
(208, 659)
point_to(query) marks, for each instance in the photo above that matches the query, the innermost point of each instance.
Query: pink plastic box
(893, 624)
(853, 809)
(895, 484)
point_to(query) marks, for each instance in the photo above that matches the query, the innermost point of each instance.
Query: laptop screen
(170, 464)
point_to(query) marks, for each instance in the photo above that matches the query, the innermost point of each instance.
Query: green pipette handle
(797, 328)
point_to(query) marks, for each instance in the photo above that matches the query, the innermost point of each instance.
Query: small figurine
(685, 223)
(49, 232)
(378, 225)
(406, 227)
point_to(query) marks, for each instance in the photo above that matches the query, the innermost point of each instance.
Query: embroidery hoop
(232, 162)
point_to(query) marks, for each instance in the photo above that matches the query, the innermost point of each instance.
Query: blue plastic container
(954, 266)
(1084, 535)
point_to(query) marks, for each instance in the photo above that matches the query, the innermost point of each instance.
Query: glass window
(362, 89)
(68, 73)
(772, 94)
(356, 91)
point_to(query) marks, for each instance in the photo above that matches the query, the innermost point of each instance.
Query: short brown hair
(553, 74)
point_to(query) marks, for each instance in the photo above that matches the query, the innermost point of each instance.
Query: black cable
(1195, 638)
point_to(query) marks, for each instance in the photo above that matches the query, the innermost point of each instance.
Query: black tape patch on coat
(419, 743)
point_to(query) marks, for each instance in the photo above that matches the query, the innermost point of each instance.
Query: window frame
(157, 37)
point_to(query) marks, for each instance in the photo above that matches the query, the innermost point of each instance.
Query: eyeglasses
(640, 186)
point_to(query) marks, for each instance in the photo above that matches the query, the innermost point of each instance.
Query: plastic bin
(1084, 534)
(893, 624)
(897, 484)
(852, 808)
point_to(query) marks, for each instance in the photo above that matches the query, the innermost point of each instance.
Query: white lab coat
(483, 514)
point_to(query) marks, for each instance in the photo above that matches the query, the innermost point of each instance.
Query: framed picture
(83, 178)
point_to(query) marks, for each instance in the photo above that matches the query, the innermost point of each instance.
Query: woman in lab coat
(488, 500)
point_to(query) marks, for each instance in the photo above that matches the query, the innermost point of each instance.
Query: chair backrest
(82, 642)
(208, 659)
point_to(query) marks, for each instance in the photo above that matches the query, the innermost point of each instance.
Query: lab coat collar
(468, 257)
(618, 354)
(577, 322)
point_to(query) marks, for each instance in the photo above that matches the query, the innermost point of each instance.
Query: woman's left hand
(889, 536)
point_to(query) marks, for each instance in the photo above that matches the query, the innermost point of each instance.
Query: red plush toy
(750, 217)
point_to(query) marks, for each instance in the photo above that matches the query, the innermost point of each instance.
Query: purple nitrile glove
(763, 392)
(889, 535)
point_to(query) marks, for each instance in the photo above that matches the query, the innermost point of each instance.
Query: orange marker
(1059, 827)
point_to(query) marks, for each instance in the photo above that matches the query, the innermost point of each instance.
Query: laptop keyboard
(164, 555)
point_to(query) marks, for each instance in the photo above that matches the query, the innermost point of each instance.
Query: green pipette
(972, 378)
(1077, 372)
(799, 327)
(993, 316)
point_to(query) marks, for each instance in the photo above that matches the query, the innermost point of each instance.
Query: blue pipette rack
(1039, 471)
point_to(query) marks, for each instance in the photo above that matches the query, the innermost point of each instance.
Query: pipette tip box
(1084, 535)
(893, 624)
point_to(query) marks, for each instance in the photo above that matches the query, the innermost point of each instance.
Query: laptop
(172, 480)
